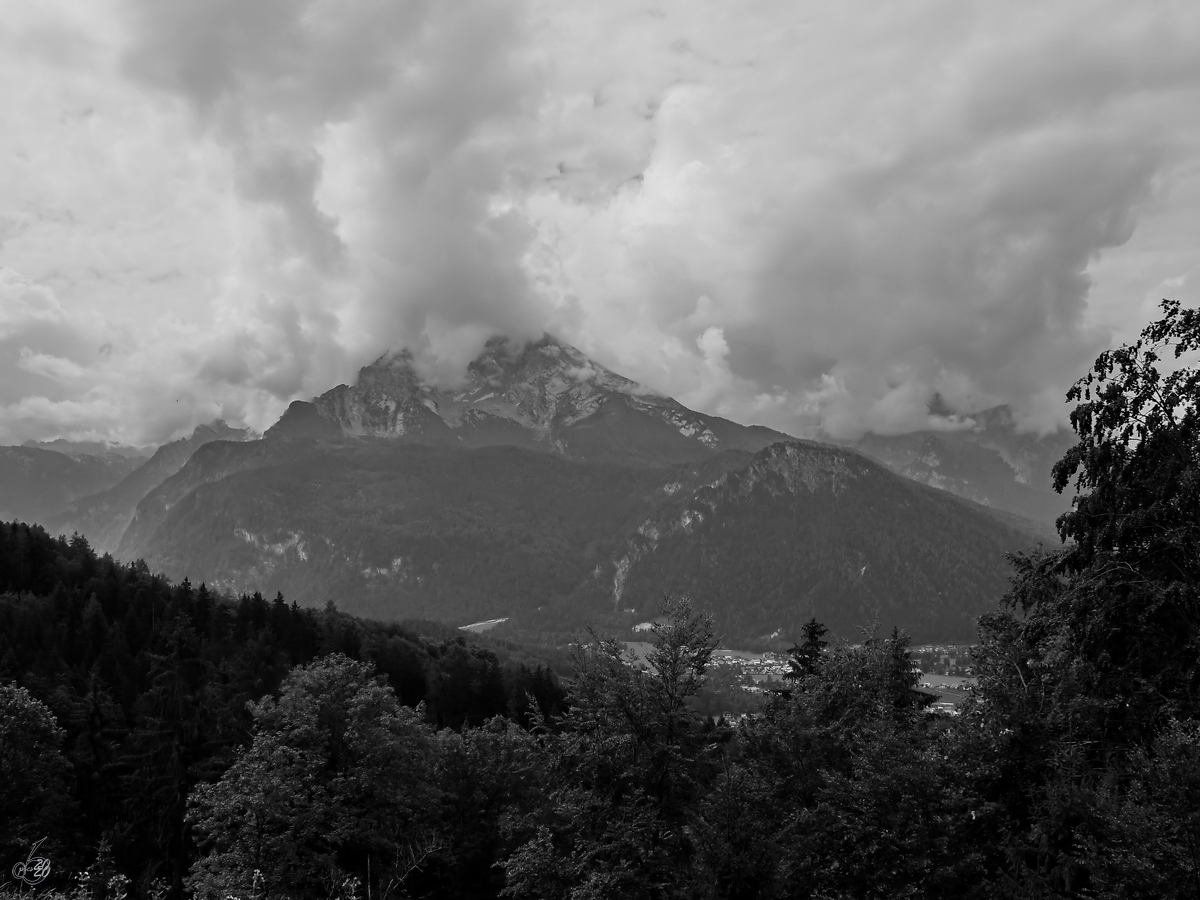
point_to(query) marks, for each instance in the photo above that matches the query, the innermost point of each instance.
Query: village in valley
(945, 671)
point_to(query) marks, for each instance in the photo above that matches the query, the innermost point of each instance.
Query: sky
(818, 216)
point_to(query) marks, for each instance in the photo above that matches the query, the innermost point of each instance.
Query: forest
(167, 742)
(397, 529)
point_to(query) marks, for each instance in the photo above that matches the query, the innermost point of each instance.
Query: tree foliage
(1132, 566)
(624, 770)
(149, 681)
(338, 771)
(1135, 464)
(33, 772)
(1094, 661)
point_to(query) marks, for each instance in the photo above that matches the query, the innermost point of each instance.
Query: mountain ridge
(807, 529)
(103, 517)
(992, 463)
(92, 448)
(548, 488)
(37, 483)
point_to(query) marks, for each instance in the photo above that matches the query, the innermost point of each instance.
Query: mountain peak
(544, 394)
(546, 379)
(502, 364)
(392, 359)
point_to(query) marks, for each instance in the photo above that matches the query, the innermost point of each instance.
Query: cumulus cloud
(879, 211)
(810, 215)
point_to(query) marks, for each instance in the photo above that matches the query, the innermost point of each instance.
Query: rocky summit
(545, 394)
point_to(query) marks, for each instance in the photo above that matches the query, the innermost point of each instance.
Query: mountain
(543, 395)
(806, 530)
(92, 448)
(103, 516)
(36, 483)
(548, 395)
(991, 463)
(551, 491)
(396, 529)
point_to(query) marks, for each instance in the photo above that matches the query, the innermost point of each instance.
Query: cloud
(26, 305)
(373, 137)
(810, 215)
(900, 207)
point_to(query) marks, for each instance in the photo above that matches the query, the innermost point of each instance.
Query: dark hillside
(399, 529)
(458, 535)
(812, 530)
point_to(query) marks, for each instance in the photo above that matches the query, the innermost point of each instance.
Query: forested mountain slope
(810, 530)
(461, 534)
(400, 529)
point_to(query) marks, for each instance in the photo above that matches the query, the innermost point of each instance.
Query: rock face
(544, 395)
(103, 517)
(388, 400)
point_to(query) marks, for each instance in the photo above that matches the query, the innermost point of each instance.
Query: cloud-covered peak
(812, 216)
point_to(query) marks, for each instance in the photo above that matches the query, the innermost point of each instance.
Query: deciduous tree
(337, 779)
(624, 772)
(33, 774)
(1096, 651)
